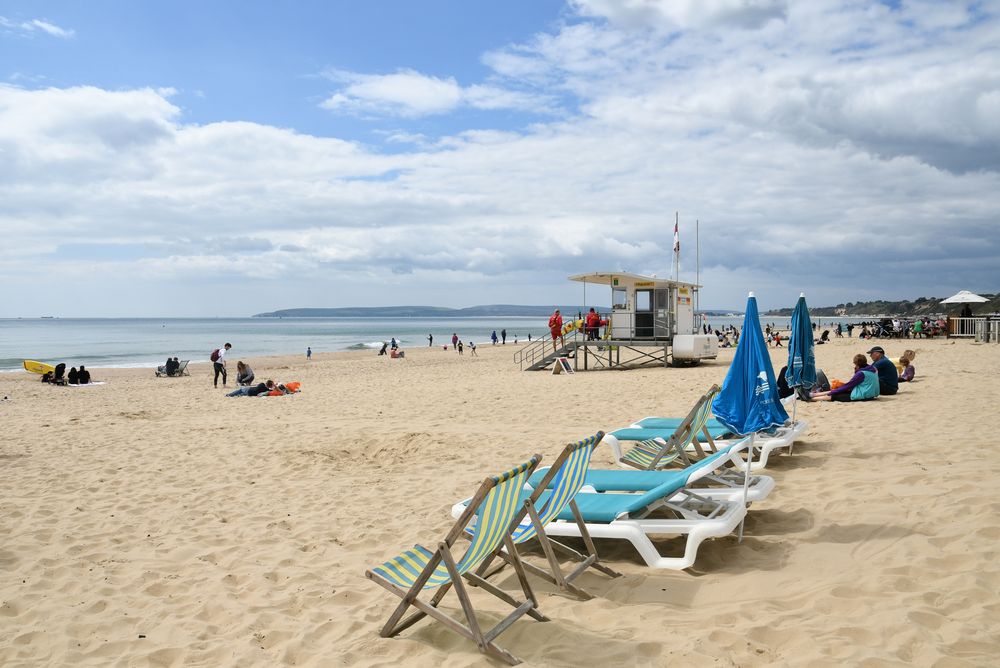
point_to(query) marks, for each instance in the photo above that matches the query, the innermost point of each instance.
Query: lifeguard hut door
(643, 314)
(663, 325)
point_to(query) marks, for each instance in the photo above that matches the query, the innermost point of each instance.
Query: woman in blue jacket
(862, 386)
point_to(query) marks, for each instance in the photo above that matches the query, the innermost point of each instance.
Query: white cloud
(684, 13)
(839, 150)
(51, 29)
(36, 25)
(409, 94)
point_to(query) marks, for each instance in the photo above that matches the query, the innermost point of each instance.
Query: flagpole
(697, 266)
(677, 246)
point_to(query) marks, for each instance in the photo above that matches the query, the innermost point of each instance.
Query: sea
(147, 342)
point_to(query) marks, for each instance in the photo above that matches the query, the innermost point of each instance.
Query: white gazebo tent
(965, 297)
(965, 326)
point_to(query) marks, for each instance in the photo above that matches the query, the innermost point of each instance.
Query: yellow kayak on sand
(38, 367)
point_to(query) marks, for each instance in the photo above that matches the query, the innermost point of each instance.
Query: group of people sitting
(881, 377)
(393, 349)
(75, 376)
(172, 365)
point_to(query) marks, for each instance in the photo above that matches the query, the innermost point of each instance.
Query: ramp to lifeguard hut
(595, 353)
(538, 354)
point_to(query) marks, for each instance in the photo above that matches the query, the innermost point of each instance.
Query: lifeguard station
(651, 322)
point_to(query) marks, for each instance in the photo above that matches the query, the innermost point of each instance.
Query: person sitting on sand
(396, 353)
(244, 374)
(252, 391)
(83, 376)
(908, 370)
(862, 386)
(888, 379)
(73, 377)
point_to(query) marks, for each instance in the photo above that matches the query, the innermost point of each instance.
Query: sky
(230, 158)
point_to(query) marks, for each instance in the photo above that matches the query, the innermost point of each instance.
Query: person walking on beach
(503, 337)
(219, 363)
(555, 328)
(309, 353)
(454, 340)
(459, 346)
(493, 337)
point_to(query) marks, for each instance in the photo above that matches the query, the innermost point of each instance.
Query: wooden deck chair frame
(575, 456)
(661, 452)
(471, 629)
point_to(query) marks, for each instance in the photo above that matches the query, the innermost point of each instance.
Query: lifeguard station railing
(540, 353)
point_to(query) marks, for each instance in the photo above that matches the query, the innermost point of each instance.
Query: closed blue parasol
(801, 356)
(748, 402)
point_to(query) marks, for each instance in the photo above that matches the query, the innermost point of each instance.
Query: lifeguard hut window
(619, 298)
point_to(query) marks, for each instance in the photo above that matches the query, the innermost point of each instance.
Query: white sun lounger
(628, 516)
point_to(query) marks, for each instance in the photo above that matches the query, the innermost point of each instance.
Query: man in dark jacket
(888, 377)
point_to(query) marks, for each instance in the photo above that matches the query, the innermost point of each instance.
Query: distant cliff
(921, 306)
(490, 310)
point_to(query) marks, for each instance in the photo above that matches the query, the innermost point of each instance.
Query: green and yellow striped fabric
(567, 482)
(494, 517)
(644, 452)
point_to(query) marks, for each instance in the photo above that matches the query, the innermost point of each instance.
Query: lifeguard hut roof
(607, 278)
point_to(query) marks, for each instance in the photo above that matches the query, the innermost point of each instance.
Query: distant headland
(494, 310)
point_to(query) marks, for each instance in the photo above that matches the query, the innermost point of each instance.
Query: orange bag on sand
(293, 386)
(834, 384)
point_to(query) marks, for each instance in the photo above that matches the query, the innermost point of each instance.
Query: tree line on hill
(921, 306)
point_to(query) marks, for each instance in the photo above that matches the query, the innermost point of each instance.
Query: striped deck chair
(562, 480)
(498, 510)
(657, 453)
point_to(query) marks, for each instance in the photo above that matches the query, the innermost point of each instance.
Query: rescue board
(38, 367)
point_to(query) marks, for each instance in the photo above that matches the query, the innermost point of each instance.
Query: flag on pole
(677, 239)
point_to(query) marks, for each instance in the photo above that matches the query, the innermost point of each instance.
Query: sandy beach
(153, 521)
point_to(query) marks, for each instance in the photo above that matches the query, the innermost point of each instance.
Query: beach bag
(215, 355)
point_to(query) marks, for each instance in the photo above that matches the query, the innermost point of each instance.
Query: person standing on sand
(454, 340)
(309, 353)
(555, 328)
(493, 337)
(219, 364)
(503, 337)
(430, 340)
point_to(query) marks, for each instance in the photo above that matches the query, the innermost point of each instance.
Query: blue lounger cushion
(647, 433)
(627, 480)
(672, 423)
(609, 507)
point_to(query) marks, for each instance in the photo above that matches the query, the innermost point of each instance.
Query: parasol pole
(746, 483)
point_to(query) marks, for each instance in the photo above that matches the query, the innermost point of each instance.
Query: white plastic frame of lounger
(637, 531)
(783, 437)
